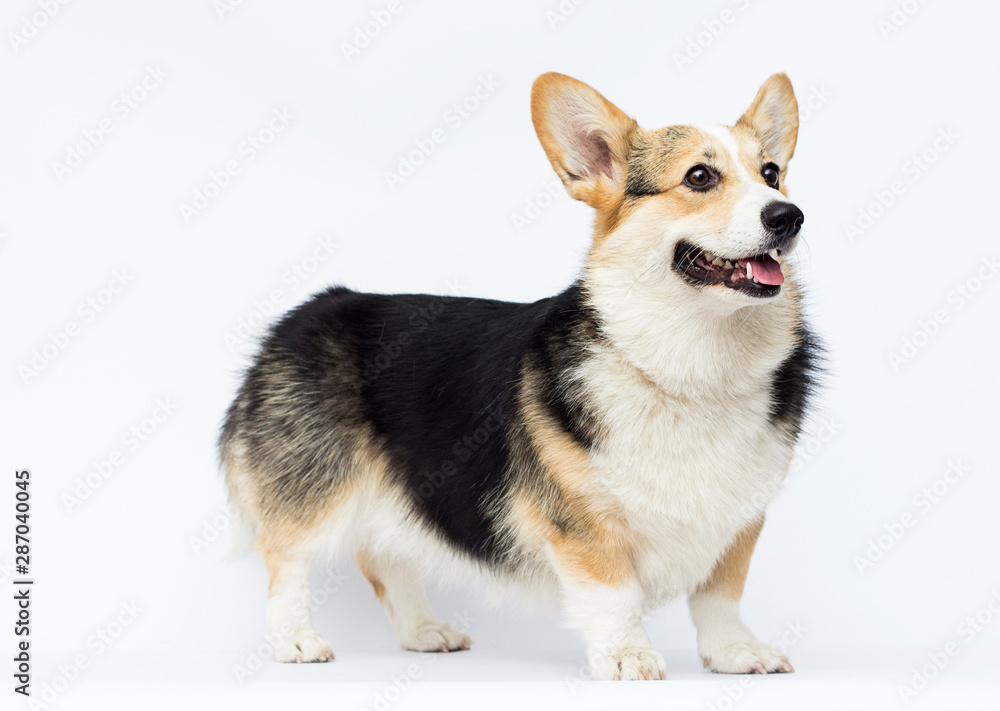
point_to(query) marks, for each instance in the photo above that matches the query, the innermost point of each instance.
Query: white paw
(435, 637)
(301, 646)
(745, 657)
(628, 664)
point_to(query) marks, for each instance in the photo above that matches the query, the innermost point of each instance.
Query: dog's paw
(628, 664)
(745, 657)
(301, 646)
(435, 637)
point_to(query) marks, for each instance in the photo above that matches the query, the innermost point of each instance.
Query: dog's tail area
(243, 521)
(242, 536)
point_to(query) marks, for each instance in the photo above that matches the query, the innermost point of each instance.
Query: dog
(608, 448)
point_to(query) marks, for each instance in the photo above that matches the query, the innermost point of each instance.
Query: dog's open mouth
(757, 275)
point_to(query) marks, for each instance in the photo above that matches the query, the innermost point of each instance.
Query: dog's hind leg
(399, 589)
(289, 619)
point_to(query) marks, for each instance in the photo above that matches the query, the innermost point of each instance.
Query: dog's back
(416, 397)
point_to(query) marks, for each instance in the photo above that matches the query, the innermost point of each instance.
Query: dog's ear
(774, 115)
(586, 137)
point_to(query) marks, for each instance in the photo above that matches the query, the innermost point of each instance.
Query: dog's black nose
(783, 219)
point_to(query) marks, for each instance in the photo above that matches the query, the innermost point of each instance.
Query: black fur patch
(639, 183)
(795, 381)
(438, 378)
(572, 326)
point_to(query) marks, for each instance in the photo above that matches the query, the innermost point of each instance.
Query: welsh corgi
(607, 449)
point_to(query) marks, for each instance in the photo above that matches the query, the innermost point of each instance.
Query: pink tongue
(766, 270)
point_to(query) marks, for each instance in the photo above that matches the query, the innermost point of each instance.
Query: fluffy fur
(611, 447)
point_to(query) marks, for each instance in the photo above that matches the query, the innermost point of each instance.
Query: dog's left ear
(774, 115)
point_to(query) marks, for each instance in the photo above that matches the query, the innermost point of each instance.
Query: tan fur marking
(592, 541)
(753, 155)
(713, 208)
(602, 553)
(666, 170)
(286, 536)
(668, 153)
(277, 544)
(730, 571)
(564, 460)
(609, 217)
(367, 567)
(280, 540)
(273, 562)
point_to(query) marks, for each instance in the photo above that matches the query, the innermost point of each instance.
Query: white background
(881, 433)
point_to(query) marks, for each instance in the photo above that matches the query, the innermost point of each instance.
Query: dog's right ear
(774, 115)
(586, 137)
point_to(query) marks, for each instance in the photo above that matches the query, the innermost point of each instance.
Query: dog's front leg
(603, 600)
(609, 618)
(725, 644)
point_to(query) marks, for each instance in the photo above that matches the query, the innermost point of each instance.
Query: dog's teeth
(749, 270)
(717, 262)
(729, 265)
(774, 254)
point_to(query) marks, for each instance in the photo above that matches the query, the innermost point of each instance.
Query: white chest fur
(688, 451)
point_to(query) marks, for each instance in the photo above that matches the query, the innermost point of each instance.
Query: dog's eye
(770, 174)
(700, 177)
